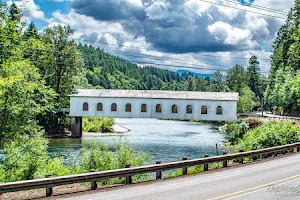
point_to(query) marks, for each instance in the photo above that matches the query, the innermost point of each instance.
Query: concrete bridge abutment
(76, 127)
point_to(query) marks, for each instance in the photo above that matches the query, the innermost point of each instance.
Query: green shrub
(97, 156)
(25, 159)
(98, 124)
(24, 155)
(269, 134)
(53, 167)
(238, 128)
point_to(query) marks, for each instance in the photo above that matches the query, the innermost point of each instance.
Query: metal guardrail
(127, 172)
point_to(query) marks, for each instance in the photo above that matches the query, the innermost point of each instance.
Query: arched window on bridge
(128, 107)
(204, 110)
(99, 107)
(114, 107)
(219, 110)
(158, 108)
(189, 109)
(174, 109)
(85, 106)
(144, 108)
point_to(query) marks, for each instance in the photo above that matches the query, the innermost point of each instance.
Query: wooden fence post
(206, 164)
(49, 189)
(241, 159)
(128, 178)
(254, 157)
(93, 183)
(265, 155)
(158, 173)
(225, 164)
(184, 169)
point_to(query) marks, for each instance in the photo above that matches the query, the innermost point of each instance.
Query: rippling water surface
(164, 140)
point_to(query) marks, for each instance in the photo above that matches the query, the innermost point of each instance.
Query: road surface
(273, 179)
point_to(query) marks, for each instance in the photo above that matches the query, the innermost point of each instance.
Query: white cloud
(231, 35)
(196, 6)
(157, 10)
(257, 25)
(138, 3)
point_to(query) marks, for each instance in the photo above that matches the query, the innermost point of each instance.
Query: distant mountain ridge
(196, 74)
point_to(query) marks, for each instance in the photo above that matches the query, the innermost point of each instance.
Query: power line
(142, 56)
(149, 63)
(158, 64)
(259, 7)
(140, 48)
(163, 59)
(245, 10)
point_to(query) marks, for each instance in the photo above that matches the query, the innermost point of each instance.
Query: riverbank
(256, 133)
(116, 129)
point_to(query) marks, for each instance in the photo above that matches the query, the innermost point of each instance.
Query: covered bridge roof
(155, 94)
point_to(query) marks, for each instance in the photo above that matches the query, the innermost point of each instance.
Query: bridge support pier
(76, 127)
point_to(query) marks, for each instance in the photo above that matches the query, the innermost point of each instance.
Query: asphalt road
(273, 179)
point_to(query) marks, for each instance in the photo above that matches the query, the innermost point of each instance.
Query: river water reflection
(164, 140)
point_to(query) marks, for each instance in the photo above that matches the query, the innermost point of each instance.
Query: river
(163, 140)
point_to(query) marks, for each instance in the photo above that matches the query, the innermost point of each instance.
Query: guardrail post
(265, 155)
(128, 178)
(284, 151)
(206, 164)
(241, 159)
(298, 149)
(49, 189)
(93, 183)
(158, 173)
(184, 169)
(254, 157)
(275, 153)
(225, 164)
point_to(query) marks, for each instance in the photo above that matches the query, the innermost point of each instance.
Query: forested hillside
(111, 72)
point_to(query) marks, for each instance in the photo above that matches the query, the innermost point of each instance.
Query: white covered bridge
(183, 105)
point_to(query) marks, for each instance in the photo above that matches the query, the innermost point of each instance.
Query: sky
(199, 35)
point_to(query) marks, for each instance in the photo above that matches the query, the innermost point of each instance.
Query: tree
(236, 78)
(218, 84)
(201, 84)
(67, 62)
(285, 65)
(23, 96)
(10, 33)
(253, 73)
(14, 12)
(247, 101)
(31, 32)
(191, 84)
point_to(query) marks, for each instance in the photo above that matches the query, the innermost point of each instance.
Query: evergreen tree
(253, 73)
(236, 78)
(31, 32)
(191, 83)
(15, 13)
